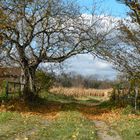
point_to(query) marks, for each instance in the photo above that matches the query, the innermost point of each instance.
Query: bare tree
(122, 48)
(134, 6)
(125, 53)
(44, 31)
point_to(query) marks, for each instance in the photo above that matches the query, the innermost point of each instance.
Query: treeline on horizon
(77, 80)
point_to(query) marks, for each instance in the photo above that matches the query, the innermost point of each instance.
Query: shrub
(43, 81)
(2, 86)
(128, 110)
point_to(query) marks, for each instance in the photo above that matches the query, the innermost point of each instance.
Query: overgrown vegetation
(126, 92)
(44, 81)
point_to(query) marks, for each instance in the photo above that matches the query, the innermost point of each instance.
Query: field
(80, 92)
(67, 115)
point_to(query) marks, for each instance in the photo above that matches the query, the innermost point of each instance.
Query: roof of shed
(10, 72)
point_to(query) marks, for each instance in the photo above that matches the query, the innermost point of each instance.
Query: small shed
(11, 74)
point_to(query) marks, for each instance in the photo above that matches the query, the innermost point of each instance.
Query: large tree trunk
(28, 79)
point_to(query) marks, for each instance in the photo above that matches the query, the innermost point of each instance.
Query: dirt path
(104, 132)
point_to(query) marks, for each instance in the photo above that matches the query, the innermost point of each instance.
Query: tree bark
(28, 79)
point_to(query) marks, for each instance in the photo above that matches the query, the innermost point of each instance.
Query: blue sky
(108, 6)
(86, 64)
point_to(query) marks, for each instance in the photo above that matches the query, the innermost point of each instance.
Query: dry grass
(47, 111)
(78, 92)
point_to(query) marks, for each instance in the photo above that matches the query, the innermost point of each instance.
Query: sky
(111, 7)
(86, 64)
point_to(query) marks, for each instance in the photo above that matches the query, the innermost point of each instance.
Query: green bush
(2, 86)
(128, 110)
(43, 81)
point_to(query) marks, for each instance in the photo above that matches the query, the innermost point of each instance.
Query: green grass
(58, 98)
(129, 129)
(61, 98)
(13, 125)
(107, 105)
(70, 126)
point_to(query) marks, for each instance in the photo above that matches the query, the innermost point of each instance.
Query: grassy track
(70, 125)
(73, 120)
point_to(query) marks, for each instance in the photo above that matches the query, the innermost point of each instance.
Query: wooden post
(19, 89)
(136, 96)
(14, 88)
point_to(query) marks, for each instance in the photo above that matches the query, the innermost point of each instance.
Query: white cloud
(102, 65)
(105, 21)
(87, 65)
